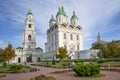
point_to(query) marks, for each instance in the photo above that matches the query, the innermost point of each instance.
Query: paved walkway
(65, 76)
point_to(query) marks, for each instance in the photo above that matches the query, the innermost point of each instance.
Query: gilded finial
(62, 7)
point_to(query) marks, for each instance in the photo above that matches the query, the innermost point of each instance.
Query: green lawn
(112, 64)
(4, 69)
(8, 70)
(56, 65)
(94, 76)
(65, 64)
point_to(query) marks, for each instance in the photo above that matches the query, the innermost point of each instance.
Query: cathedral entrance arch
(38, 59)
(19, 60)
(72, 51)
(29, 57)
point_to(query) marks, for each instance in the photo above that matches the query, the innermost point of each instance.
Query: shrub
(4, 64)
(16, 68)
(86, 69)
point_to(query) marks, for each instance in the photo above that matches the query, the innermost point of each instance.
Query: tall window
(74, 22)
(60, 19)
(64, 36)
(77, 47)
(71, 37)
(55, 37)
(52, 38)
(77, 36)
(29, 46)
(29, 25)
(65, 46)
(29, 37)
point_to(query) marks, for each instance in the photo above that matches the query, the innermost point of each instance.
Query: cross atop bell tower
(29, 37)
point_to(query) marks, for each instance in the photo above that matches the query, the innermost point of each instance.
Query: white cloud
(3, 44)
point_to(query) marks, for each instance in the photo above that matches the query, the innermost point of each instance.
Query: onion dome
(52, 19)
(61, 11)
(29, 12)
(74, 15)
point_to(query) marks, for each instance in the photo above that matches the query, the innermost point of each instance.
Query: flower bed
(2, 75)
(61, 71)
(43, 77)
(111, 69)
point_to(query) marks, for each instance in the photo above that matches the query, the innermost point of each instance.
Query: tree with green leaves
(1, 55)
(112, 49)
(101, 47)
(62, 53)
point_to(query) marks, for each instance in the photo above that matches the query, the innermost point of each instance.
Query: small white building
(86, 54)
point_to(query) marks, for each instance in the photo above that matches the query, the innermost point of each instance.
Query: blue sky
(94, 16)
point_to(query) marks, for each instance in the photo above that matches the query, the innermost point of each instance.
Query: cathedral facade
(61, 33)
(29, 52)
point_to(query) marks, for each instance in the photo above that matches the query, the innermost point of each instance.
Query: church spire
(52, 18)
(98, 37)
(52, 21)
(61, 16)
(74, 15)
(74, 19)
(29, 12)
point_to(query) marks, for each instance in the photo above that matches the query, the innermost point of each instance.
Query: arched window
(65, 46)
(19, 60)
(74, 22)
(71, 36)
(29, 25)
(60, 19)
(77, 37)
(64, 36)
(29, 37)
(77, 47)
(29, 46)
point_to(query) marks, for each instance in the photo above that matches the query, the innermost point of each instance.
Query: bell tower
(29, 34)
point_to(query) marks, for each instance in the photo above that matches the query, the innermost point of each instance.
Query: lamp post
(53, 62)
(46, 61)
(27, 57)
(78, 55)
(91, 57)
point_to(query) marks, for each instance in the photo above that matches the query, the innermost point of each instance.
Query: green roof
(38, 48)
(74, 15)
(29, 12)
(52, 19)
(19, 48)
(61, 12)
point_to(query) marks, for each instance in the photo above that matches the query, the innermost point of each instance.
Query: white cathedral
(61, 33)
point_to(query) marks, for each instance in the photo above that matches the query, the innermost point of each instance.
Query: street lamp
(53, 62)
(91, 57)
(78, 55)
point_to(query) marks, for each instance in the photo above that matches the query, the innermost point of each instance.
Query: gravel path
(65, 76)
